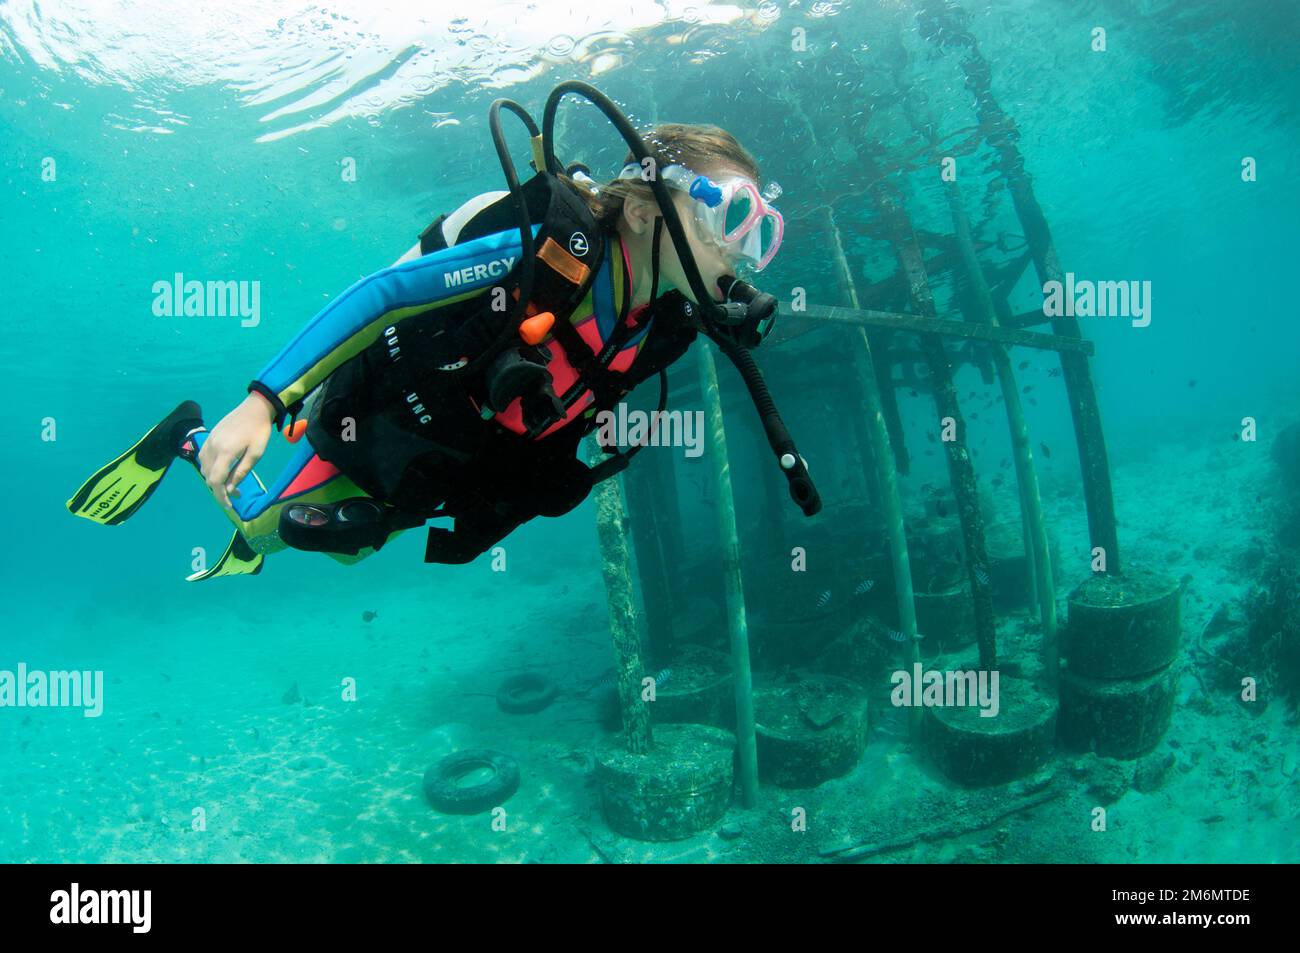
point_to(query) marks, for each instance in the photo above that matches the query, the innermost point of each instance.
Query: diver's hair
(701, 149)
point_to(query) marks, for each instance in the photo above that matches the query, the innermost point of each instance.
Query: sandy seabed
(213, 748)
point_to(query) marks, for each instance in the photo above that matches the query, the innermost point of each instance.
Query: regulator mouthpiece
(748, 313)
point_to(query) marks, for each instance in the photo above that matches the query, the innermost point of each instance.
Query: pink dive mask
(732, 213)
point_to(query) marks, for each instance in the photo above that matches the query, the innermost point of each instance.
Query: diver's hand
(235, 445)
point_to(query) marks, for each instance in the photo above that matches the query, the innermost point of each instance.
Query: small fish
(1191, 383)
(1027, 388)
(1053, 372)
(165, 676)
(1047, 451)
(940, 508)
(824, 599)
(897, 636)
(929, 436)
(1023, 365)
(982, 576)
(998, 481)
(369, 616)
(974, 416)
(1005, 463)
(913, 393)
(865, 586)
(1034, 402)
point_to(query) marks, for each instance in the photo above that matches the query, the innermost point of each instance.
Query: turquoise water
(209, 140)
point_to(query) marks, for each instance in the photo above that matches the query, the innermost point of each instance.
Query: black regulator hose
(802, 490)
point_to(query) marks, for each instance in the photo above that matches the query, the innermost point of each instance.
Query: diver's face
(713, 261)
(710, 259)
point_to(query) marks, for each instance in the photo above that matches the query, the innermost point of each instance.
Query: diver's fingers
(252, 453)
(246, 463)
(215, 475)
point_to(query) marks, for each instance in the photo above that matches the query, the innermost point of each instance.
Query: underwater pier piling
(615, 564)
(1075, 370)
(961, 472)
(729, 540)
(679, 781)
(1037, 554)
(886, 472)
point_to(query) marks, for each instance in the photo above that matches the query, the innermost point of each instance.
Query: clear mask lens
(738, 212)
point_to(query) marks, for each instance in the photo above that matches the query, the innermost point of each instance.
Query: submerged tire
(446, 794)
(526, 693)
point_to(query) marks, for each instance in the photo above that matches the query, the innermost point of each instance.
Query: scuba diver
(459, 381)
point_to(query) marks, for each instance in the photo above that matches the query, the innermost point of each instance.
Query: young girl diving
(411, 396)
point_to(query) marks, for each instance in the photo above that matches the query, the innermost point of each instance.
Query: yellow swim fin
(239, 559)
(121, 487)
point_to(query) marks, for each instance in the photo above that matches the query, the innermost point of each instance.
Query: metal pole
(929, 324)
(886, 476)
(961, 473)
(1036, 552)
(737, 625)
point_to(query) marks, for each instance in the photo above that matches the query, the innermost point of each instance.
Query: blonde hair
(699, 148)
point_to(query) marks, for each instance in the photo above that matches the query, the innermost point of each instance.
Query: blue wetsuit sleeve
(360, 315)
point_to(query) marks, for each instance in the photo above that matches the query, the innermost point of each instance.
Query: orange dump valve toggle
(534, 330)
